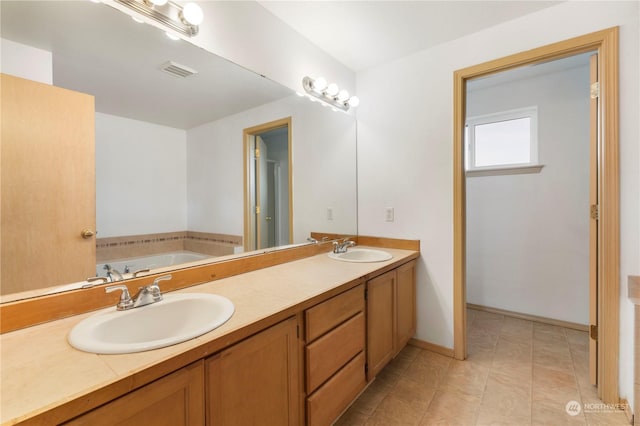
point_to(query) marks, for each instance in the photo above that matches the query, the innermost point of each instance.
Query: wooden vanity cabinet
(256, 381)
(173, 400)
(391, 315)
(334, 355)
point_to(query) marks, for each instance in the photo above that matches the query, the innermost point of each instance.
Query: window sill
(515, 170)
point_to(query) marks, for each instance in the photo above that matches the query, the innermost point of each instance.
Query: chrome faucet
(147, 294)
(112, 273)
(343, 246)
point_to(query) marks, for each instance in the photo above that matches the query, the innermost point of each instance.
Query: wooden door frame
(262, 128)
(605, 43)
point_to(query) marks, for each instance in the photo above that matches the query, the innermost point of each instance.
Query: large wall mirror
(169, 178)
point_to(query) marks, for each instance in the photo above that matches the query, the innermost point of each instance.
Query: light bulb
(343, 95)
(332, 89)
(319, 84)
(354, 101)
(159, 2)
(192, 14)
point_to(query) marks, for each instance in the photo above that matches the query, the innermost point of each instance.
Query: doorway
(605, 43)
(268, 195)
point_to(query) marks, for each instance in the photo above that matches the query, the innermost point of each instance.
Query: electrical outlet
(329, 213)
(388, 214)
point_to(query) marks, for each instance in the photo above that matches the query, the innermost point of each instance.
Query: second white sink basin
(361, 255)
(176, 318)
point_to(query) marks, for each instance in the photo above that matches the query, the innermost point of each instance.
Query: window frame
(532, 166)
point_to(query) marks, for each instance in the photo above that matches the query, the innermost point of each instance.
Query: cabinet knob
(87, 233)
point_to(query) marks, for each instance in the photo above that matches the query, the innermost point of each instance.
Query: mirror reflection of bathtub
(127, 267)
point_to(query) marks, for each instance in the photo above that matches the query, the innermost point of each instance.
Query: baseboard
(535, 318)
(431, 347)
(627, 410)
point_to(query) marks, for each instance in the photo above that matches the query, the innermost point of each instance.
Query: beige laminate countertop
(40, 371)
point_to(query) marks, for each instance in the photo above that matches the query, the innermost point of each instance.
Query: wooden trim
(459, 219)
(605, 42)
(593, 223)
(528, 317)
(442, 350)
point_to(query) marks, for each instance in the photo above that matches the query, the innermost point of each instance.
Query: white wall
(135, 195)
(528, 234)
(320, 138)
(25, 61)
(405, 150)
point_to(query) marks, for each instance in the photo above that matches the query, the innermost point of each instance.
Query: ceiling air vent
(177, 70)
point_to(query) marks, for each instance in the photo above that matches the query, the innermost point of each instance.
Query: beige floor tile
(554, 412)
(414, 393)
(517, 373)
(548, 382)
(352, 417)
(503, 381)
(395, 410)
(465, 377)
(487, 325)
(516, 351)
(449, 407)
(371, 398)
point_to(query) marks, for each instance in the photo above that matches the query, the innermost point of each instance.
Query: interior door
(593, 223)
(53, 131)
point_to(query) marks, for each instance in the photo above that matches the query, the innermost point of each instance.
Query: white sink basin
(175, 319)
(361, 255)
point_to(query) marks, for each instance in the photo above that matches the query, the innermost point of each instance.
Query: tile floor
(518, 373)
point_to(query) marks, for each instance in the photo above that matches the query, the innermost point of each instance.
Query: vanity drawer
(334, 396)
(329, 353)
(329, 314)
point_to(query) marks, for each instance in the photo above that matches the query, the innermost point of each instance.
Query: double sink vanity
(289, 344)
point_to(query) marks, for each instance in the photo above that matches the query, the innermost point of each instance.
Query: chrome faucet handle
(93, 281)
(150, 293)
(155, 287)
(140, 271)
(125, 298)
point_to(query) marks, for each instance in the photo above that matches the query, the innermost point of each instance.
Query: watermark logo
(573, 408)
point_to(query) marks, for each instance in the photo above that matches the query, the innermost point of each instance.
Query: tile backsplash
(122, 247)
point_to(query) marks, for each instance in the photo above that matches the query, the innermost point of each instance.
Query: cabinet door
(405, 297)
(174, 400)
(380, 341)
(46, 206)
(256, 381)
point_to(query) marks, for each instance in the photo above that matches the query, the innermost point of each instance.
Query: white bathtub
(134, 264)
(163, 260)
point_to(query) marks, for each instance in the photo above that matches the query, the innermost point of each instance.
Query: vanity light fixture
(329, 93)
(183, 19)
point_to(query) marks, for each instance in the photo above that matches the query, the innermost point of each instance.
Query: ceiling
(363, 34)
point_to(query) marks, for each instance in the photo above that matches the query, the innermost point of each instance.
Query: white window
(504, 140)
